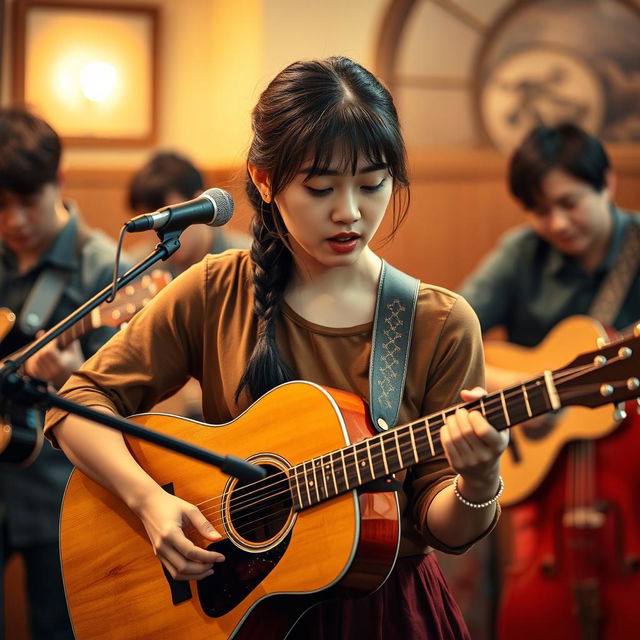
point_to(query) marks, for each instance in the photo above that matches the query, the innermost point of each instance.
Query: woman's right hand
(165, 517)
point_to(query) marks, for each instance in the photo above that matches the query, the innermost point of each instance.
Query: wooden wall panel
(459, 207)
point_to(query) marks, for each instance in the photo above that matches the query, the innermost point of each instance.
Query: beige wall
(215, 58)
(217, 55)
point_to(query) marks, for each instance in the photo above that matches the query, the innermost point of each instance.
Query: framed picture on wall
(90, 69)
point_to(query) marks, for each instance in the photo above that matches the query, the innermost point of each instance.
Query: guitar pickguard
(237, 576)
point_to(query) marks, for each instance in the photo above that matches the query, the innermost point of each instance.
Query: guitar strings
(242, 526)
(243, 503)
(247, 502)
(490, 406)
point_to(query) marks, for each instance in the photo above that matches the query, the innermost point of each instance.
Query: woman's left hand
(472, 446)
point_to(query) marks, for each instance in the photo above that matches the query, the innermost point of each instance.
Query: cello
(575, 573)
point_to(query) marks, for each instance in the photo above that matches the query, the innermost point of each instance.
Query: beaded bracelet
(477, 505)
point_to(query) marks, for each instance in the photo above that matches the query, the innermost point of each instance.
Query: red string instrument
(576, 544)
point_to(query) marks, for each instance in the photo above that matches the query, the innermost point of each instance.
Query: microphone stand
(19, 394)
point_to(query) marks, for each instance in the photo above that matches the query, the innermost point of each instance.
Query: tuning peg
(633, 384)
(606, 390)
(619, 413)
(599, 361)
(601, 342)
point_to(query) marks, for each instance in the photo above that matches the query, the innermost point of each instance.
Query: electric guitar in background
(533, 449)
(313, 529)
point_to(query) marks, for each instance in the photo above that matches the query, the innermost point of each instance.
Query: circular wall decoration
(560, 60)
(535, 86)
(459, 68)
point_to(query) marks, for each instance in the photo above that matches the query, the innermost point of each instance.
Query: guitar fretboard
(77, 330)
(337, 472)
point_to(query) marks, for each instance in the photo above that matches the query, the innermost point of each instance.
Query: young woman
(326, 159)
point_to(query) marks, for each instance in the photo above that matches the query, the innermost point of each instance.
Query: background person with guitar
(579, 254)
(167, 178)
(326, 159)
(49, 265)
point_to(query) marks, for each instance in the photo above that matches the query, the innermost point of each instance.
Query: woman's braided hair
(309, 110)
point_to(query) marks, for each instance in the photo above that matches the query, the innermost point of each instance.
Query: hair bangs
(348, 135)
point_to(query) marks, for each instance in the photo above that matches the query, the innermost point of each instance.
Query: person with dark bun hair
(326, 159)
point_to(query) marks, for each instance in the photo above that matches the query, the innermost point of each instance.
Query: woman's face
(332, 217)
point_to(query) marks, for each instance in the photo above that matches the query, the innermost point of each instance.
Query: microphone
(213, 207)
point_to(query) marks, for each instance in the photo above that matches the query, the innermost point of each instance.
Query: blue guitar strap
(392, 331)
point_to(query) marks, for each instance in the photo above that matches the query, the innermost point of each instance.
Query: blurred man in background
(170, 178)
(579, 255)
(50, 264)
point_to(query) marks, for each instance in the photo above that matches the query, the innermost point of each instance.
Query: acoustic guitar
(533, 448)
(314, 528)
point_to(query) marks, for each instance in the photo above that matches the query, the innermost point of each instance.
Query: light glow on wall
(90, 72)
(98, 80)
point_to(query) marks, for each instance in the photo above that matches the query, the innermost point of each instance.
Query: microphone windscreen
(223, 203)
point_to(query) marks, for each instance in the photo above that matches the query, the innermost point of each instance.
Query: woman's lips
(343, 242)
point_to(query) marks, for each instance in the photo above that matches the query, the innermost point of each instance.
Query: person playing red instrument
(578, 255)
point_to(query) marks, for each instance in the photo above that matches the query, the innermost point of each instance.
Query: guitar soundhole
(260, 511)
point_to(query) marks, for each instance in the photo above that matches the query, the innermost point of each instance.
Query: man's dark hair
(165, 171)
(565, 147)
(30, 152)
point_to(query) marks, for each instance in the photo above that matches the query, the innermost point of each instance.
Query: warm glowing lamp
(91, 71)
(98, 80)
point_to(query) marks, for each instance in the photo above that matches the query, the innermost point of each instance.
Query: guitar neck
(77, 330)
(327, 476)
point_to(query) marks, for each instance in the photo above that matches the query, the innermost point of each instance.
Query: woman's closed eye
(318, 192)
(374, 187)
(370, 188)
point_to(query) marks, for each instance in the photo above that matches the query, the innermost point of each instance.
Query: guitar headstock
(130, 299)
(610, 374)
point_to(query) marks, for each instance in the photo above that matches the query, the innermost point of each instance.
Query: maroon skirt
(413, 604)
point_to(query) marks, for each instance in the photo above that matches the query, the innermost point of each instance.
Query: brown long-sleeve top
(202, 325)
